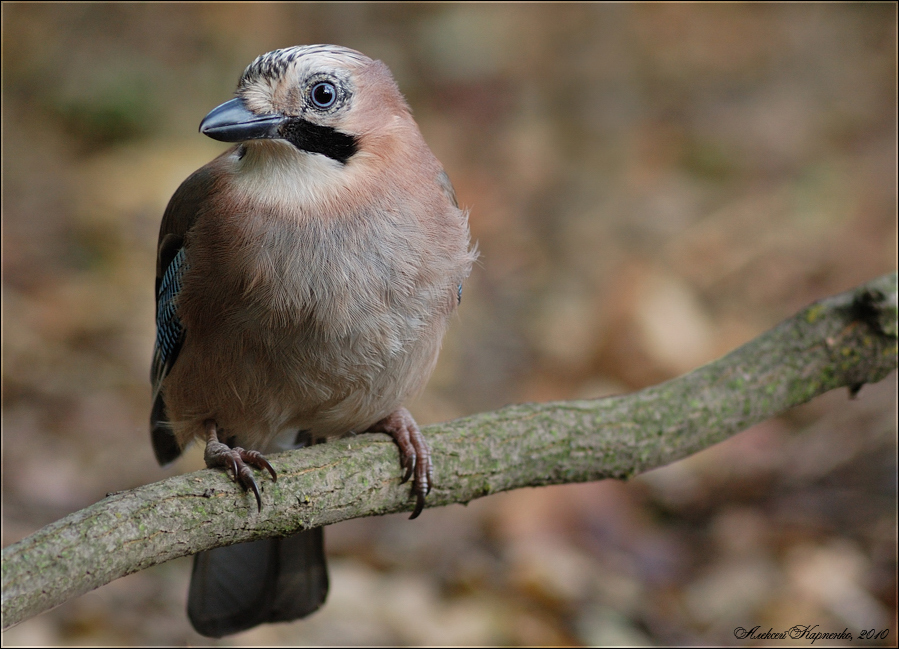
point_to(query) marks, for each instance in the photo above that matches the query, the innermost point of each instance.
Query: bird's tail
(235, 588)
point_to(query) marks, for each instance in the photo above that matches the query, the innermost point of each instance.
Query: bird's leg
(415, 456)
(236, 459)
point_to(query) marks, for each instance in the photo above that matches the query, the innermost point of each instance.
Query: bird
(304, 282)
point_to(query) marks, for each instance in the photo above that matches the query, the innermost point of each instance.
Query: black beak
(232, 122)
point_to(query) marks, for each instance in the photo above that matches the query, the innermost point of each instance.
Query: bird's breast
(324, 317)
(315, 318)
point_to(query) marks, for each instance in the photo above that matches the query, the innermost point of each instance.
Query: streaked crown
(273, 65)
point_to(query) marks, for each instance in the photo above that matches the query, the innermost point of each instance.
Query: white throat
(276, 172)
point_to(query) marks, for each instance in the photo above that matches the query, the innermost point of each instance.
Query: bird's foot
(415, 456)
(219, 455)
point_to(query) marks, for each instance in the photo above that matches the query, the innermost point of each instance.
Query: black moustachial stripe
(328, 141)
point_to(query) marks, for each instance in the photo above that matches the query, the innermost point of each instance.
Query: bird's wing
(171, 263)
(447, 187)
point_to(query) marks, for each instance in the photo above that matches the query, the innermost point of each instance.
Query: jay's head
(322, 100)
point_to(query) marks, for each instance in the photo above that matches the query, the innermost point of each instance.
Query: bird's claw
(415, 455)
(236, 460)
(408, 463)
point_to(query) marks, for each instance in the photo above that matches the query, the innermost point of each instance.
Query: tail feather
(235, 588)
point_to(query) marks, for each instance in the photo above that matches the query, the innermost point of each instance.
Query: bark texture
(843, 341)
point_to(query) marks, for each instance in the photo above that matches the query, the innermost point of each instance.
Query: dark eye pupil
(323, 95)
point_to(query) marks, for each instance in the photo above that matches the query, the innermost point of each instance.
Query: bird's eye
(323, 94)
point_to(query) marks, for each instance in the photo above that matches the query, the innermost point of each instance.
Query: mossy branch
(846, 340)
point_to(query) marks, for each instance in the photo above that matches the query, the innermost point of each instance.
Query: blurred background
(650, 187)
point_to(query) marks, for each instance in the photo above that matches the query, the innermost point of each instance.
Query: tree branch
(846, 340)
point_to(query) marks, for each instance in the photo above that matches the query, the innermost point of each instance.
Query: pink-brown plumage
(324, 314)
(321, 262)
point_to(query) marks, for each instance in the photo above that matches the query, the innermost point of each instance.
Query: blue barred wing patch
(169, 331)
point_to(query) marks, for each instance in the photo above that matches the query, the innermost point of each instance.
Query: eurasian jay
(304, 281)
